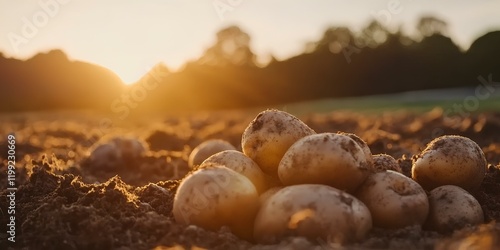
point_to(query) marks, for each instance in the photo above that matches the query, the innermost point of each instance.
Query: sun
(129, 74)
(128, 83)
(130, 77)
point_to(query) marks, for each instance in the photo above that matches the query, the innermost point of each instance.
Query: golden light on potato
(240, 163)
(313, 211)
(451, 208)
(328, 158)
(394, 200)
(450, 160)
(207, 149)
(217, 196)
(268, 137)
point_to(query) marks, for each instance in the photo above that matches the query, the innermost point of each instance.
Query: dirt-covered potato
(207, 149)
(451, 207)
(394, 200)
(240, 163)
(268, 137)
(313, 211)
(450, 160)
(328, 158)
(217, 196)
(362, 144)
(382, 162)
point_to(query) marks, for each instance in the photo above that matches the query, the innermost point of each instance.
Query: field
(419, 101)
(64, 201)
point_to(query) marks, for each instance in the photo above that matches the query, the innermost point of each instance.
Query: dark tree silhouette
(373, 35)
(483, 56)
(430, 25)
(333, 39)
(231, 48)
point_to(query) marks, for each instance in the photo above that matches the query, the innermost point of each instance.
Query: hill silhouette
(52, 81)
(340, 64)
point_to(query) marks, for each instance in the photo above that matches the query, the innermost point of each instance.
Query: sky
(131, 36)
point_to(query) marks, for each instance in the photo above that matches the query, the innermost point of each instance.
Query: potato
(313, 211)
(450, 160)
(328, 158)
(394, 200)
(240, 163)
(362, 144)
(207, 149)
(268, 137)
(116, 151)
(217, 196)
(382, 162)
(451, 207)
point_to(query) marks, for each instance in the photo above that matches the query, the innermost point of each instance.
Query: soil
(65, 201)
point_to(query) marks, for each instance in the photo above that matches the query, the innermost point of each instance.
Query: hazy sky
(130, 36)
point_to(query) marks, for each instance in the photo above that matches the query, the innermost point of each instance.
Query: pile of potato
(291, 181)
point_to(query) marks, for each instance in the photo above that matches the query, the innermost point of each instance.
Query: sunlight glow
(135, 35)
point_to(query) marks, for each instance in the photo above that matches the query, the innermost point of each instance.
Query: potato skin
(327, 158)
(268, 137)
(242, 164)
(382, 162)
(362, 144)
(451, 208)
(217, 196)
(207, 149)
(313, 211)
(450, 160)
(395, 201)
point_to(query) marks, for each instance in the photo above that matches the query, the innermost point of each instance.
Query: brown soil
(64, 201)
